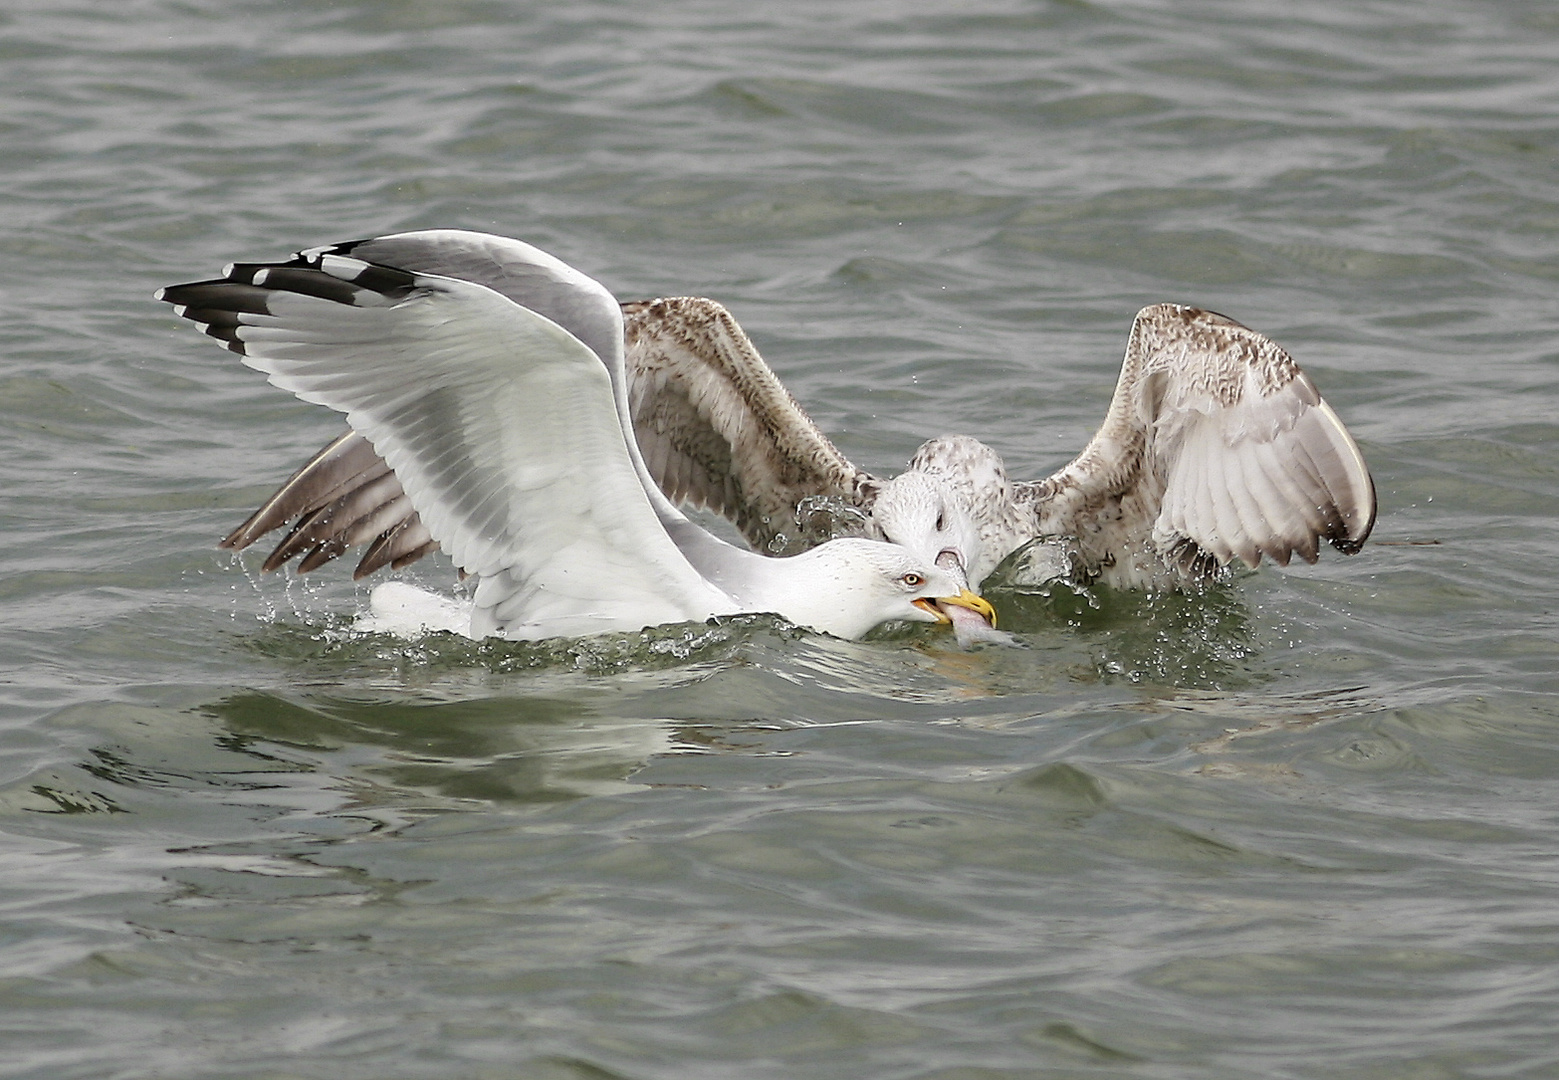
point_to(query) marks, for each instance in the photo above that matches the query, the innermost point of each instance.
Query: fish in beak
(966, 599)
(972, 617)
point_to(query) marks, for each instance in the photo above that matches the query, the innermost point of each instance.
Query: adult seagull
(1216, 447)
(486, 377)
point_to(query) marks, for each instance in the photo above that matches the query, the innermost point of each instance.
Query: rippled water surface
(1302, 826)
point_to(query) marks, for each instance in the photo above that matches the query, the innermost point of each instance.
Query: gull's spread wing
(1216, 446)
(346, 495)
(499, 423)
(717, 428)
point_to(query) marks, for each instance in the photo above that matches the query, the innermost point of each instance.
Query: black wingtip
(1345, 536)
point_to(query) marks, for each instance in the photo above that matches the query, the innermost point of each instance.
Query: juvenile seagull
(1216, 447)
(484, 382)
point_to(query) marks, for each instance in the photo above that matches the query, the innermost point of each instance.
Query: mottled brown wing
(343, 496)
(717, 428)
(1216, 446)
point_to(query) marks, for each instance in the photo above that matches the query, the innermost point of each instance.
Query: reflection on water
(491, 750)
(351, 754)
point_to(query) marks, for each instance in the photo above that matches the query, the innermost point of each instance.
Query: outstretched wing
(1216, 446)
(500, 424)
(345, 494)
(717, 428)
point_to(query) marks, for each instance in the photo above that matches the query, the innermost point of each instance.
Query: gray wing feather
(511, 268)
(344, 463)
(1216, 447)
(343, 496)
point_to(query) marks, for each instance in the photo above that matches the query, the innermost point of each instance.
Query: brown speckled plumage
(717, 430)
(1216, 447)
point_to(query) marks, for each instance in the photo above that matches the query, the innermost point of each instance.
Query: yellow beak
(965, 599)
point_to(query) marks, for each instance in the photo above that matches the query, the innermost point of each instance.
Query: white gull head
(951, 503)
(920, 512)
(849, 585)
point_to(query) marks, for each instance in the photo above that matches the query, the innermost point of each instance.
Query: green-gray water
(1304, 826)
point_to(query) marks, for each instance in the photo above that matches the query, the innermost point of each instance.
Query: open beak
(966, 599)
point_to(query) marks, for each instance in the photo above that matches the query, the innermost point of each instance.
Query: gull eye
(939, 523)
(913, 580)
